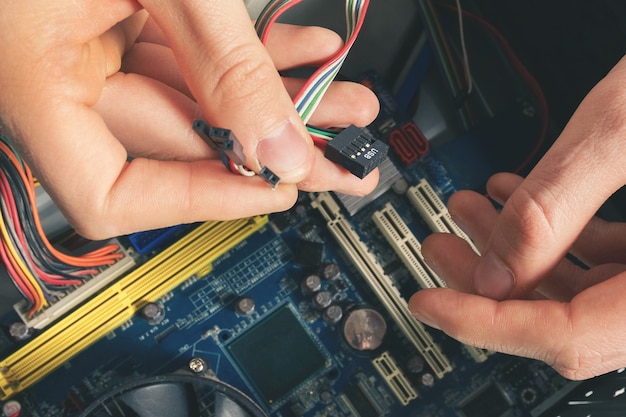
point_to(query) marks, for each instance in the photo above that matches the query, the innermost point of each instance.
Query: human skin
(99, 98)
(522, 296)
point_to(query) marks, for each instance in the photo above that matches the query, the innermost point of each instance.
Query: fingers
(580, 340)
(163, 130)
(102, 195)
(549, 209)
(224, 64)
(160, 130)
(599, 242)
(475, 214)
(328, 176)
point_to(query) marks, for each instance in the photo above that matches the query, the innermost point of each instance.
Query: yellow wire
(21, 265)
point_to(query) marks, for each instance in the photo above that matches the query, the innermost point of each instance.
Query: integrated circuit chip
(277, 355)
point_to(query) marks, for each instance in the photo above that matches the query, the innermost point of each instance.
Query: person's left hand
(571, 320)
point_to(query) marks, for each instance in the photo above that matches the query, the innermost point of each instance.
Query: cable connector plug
(222, 140)
(355, 149)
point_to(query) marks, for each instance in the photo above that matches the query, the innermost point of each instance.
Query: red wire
(319, 142)
(17, 278)
(12, 209)
(542, 103)
(341, 52)
(275, 17)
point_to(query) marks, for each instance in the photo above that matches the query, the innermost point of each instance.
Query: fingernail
(492, 278)
(283, 150)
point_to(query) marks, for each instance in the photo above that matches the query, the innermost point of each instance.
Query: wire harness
(41, 272)
(306, 100)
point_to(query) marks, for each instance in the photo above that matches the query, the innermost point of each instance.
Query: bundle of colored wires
(310, 95)
(40, 272)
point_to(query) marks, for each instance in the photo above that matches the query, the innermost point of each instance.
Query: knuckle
(536, 220)
(239, 75)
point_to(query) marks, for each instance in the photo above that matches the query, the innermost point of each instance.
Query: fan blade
(226, 407)
(165, 399)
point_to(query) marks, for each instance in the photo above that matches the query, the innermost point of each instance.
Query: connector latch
(356, 150)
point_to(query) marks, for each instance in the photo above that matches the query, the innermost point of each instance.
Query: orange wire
(88, 260)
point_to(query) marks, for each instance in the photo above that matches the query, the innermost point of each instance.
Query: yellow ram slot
(120, 301)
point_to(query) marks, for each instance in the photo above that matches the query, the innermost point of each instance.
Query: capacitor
(326, 397)
(364, 329)
(311, 283)
(20, 331)
(153, 312)
(428, 380)
(245, 306)
(12, 409)
(331, 271)
(333, 314)
(322, 299)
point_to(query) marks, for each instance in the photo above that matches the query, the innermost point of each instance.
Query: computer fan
(182, 394)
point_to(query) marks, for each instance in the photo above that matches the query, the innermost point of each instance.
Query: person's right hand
(76, 118)
(522, 296)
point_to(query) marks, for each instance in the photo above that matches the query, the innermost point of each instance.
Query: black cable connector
(269, 177)
(222, 140)
(355, 149)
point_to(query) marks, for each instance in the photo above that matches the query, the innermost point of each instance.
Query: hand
(87, 84)
(523, 296)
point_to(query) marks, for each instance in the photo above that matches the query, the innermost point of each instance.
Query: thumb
(545, 214)
(237, 86)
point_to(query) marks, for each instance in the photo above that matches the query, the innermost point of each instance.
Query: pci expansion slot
(436, 214)
(396, 380)
(406, 245)
(191, 255)
(381, 284)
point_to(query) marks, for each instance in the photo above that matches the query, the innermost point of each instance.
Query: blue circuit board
(261, 320)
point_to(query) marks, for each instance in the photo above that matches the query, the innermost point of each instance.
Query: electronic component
(361, 401)
(389, 176)
(434, 212)
(322, 299)
(331, 271)
(117, 303)
(333, 314)
(269, 177)
(489, 401)
(406, 246)
(277, 355)
(364, 329)
(245, 306)
(153, 312)
(76, 296)
(408, 142)
(308, 253)
(394, 377)
(381, 284)
(356, 150)
(409, 250)
(222, 140)
(311, 283)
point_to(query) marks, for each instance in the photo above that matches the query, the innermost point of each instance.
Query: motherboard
(303, 312)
